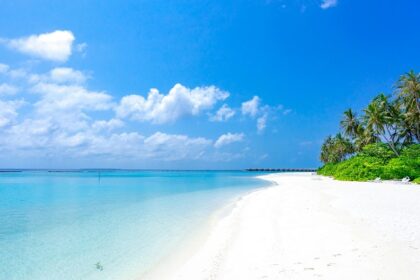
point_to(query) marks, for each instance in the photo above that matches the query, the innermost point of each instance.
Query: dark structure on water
(281, 169)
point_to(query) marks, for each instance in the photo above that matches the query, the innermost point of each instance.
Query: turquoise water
(112, 225)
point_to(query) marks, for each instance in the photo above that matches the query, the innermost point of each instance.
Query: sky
(192, 84)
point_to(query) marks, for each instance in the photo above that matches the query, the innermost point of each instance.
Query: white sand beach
(312, 227)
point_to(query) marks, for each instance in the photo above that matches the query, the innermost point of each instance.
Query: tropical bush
(406, 165)
(376, 160)
(382, 142)
(378, 150)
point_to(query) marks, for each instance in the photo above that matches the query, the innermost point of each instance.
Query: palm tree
(336, 149)
(409, 90)
(381, 119)
(326, 150)
(374, 117)
(408, 95)
(364, 137)
(342, 146)
(350, 124)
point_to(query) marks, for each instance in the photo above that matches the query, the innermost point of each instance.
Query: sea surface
(105, 224)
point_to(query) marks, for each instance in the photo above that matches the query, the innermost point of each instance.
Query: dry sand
(311, 227)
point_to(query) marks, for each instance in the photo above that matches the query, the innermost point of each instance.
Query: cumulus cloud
(6, 89)
(255, 109)
(43, 137)
(180, 101)
(251, 107)
(228, 138)
(60, 122)
(55, 46)
(223, 114)
(64, 118)
(60, 75)
(69, 98)
(326, 4)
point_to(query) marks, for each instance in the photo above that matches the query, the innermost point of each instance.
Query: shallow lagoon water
(104, 225)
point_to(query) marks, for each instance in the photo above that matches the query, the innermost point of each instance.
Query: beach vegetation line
(383, 142)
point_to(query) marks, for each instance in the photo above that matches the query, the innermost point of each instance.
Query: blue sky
(191, 84)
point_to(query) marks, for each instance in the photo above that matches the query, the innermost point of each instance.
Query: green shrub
(401, 167)
(359, 168)
(378, 150)
(377, 160)
(417, 180)
(328, 169)
(412, 151)
(407, 164)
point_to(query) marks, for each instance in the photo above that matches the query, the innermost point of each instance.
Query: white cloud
(67, 75)
(261, 123)
(67, 108)
(60, 75)
(328, 4)
(70, 98)
(107, 125)
(251, 107)
(62, 121)
(8, 111)
(28, 134)
(6, 89)
(55, 46)
(180, 101)
(61, 125)
(228, 138)
(42, 137)
(175, 147)
(254, 109)
(125, 144)
(223, 114)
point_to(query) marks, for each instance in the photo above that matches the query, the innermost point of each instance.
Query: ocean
(105, 224)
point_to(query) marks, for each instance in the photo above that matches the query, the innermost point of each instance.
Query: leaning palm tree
(380, 119)
(350, 123)
(374, 117)
(364, 137)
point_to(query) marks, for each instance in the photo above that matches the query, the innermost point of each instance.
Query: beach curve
(313, 227)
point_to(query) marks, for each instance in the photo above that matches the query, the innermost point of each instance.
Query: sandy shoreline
(311, 227)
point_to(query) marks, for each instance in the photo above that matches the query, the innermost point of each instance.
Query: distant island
(381, 143)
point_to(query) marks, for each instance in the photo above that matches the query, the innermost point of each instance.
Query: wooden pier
(281, 169)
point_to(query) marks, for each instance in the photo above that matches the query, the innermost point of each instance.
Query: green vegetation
(377, 160)
(383, 142)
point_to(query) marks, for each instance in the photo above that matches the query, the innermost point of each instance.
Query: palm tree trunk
(390, 142)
